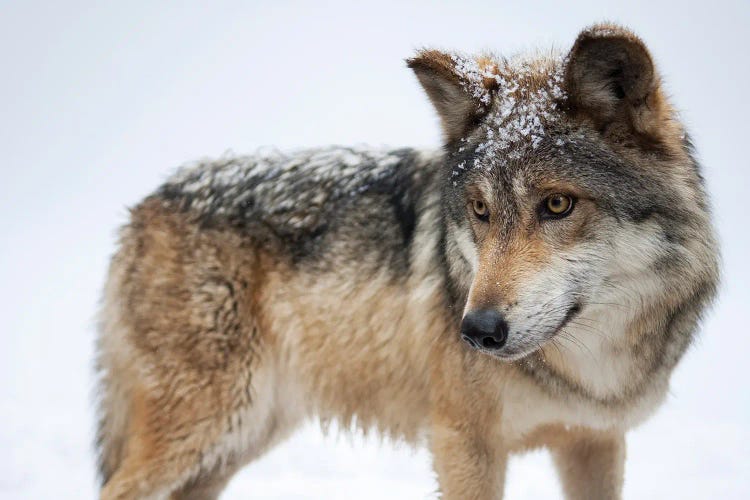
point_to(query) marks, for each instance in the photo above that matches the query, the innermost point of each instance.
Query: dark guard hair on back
(300, 203)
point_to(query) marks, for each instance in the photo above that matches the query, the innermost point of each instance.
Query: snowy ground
(101, 100)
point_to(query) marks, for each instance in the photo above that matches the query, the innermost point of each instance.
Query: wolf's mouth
(572, 313)
(515, 354)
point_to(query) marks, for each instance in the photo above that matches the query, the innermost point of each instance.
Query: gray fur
(300, 203)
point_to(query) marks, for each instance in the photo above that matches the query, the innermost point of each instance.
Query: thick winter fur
(251, 294)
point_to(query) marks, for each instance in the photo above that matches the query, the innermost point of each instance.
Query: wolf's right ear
(459, 100)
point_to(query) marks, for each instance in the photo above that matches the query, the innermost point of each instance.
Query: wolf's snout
(484, 328)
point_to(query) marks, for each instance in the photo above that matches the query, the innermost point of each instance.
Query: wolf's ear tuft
(611, 79)
(458, 99)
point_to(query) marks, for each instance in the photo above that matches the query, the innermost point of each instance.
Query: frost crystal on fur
(521, 108)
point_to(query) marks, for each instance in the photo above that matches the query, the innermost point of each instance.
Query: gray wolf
(532, 284)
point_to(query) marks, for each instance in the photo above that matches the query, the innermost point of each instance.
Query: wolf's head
(569, 186)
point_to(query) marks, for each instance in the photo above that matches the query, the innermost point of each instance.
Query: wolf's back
(297, 200)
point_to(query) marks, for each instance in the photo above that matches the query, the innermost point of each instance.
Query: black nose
(484, 328)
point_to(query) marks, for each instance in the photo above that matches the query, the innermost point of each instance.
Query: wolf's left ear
(456, 87)
(611, 79)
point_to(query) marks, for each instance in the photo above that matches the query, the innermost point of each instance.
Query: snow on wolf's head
(568, 183)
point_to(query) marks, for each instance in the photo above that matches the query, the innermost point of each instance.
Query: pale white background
(99, 101)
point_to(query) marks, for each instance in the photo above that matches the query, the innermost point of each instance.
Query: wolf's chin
(508, 356)
(514, 355)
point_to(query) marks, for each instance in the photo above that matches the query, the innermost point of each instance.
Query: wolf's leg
(466, 466)
(591, 465)
(189, 430)
(162, 449)
(190, 445)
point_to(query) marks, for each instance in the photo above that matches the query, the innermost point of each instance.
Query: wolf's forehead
(522, 98)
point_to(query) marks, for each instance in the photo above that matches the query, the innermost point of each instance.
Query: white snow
(519, 108)
(102, 100)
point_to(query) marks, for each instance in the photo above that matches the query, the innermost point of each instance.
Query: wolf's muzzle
(484, 329)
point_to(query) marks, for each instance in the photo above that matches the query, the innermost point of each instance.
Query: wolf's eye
(558, 205)
(480, 209)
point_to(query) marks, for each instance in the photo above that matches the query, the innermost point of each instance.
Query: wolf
(531, 284)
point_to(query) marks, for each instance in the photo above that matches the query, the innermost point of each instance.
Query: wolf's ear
(456, 88)
(611, 79)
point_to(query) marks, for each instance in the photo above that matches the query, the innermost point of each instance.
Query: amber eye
(558, 205)
(480, 209)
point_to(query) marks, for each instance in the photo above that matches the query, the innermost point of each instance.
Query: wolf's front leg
(591, 464)
(466, 466)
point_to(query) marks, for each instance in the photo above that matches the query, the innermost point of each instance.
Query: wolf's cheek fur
(546, 302)
(617, 272)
